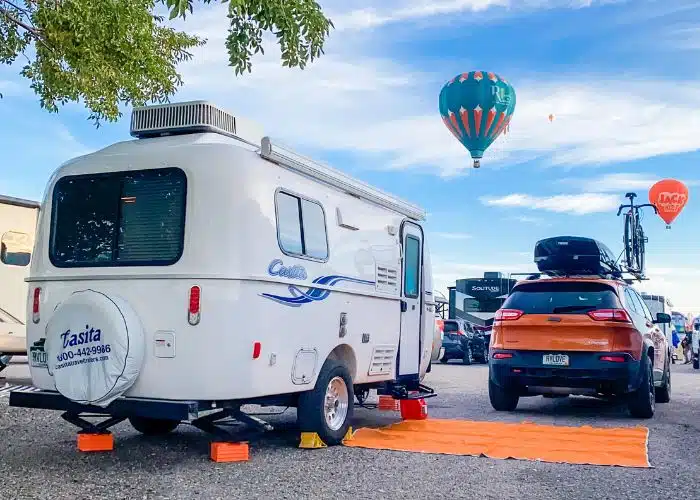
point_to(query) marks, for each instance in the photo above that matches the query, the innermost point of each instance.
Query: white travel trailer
(200, 266)
(17, 225)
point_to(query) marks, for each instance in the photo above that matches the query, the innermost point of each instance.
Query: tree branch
(30, 29)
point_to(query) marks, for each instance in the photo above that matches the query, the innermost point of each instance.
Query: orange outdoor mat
(626, 447)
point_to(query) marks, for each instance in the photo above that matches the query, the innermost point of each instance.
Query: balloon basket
(668, 226)
(477, 163)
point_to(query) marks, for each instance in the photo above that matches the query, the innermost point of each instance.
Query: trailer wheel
(153, 426)
(327, 409)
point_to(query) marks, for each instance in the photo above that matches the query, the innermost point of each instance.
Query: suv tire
(502, 399)
(468, 357)
(642, 402)
(312, 411)
(663, 393)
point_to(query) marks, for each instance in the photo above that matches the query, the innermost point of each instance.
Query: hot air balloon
(476, 107)
(551, 118)
(669, 196)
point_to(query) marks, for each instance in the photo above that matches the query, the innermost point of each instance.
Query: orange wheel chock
(95, 442)
(229, 452)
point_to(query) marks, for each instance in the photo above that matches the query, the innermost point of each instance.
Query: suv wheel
(663, 393)
(642, 402)
(468, 358)
(502, 399)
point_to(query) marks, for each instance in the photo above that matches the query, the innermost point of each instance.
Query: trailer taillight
(35, 305)
(193, 312)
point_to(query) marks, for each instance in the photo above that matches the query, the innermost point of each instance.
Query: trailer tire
(153, 426)
(330, 421)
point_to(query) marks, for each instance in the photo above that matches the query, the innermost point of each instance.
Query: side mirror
(662, 318)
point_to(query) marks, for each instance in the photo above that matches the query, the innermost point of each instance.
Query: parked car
(462, 341)
(581, 336)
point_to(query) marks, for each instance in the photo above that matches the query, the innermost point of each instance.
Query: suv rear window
(119, 219)
(572, 297)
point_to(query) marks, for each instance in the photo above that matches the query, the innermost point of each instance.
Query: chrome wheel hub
(335, 408)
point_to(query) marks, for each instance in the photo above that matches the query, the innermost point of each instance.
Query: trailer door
(411, 300)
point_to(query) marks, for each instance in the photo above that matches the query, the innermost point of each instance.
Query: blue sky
(619, 76)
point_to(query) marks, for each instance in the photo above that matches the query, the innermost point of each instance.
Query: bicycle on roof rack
(634, 238)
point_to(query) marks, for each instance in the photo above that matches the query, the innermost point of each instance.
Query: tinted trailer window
(562, 298)
(119, 219)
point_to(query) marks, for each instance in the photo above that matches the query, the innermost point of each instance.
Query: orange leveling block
(388, 403)
(95, 442)
(229, 452)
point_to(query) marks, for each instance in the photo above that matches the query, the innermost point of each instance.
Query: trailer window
(411, 267)
(301, 227)
(119, 219)
(15, 249)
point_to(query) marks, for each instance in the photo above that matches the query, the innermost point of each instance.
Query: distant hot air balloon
(476, 107)
(551, 118)
(669, 196)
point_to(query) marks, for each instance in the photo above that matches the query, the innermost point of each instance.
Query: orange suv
(565, 336)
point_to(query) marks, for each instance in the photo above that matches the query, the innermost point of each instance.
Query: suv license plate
(555, 359)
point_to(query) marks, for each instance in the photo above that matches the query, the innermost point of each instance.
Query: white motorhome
(201, 266)
(18, 219)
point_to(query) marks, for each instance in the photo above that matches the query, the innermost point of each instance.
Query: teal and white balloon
(477, 107)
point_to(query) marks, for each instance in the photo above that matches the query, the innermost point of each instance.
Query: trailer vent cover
(189, 118)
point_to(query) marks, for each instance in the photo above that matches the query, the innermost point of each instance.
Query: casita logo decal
(277, 268)
(88, 336)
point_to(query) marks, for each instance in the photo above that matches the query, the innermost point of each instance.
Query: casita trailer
(200, 266)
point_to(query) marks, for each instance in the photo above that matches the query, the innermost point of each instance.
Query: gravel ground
(38, 458)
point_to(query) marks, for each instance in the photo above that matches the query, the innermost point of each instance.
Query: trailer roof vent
(190, 118)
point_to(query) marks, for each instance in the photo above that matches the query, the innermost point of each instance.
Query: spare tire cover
(95, 347)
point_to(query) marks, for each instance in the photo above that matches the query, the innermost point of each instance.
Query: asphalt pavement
(38, 456)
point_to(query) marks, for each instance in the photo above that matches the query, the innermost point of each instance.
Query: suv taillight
(610, 315)
(508, 315)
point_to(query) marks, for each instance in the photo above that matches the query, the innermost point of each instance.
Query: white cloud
(577, 204)
(365, 15)
(453, 236)
(397, 11)
(386, 113)
(619, 182)
(527, 219)
(679, 284)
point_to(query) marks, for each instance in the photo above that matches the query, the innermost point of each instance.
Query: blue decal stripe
(299, 297)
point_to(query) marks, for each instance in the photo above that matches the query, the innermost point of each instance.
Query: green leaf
(110, 53)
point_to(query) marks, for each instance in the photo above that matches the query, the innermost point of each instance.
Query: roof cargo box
(573, 255)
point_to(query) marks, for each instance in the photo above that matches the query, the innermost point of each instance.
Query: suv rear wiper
(565, 309)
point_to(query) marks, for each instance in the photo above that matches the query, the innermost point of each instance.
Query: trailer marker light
(194, 312)
(257, 347)
(35, 305)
